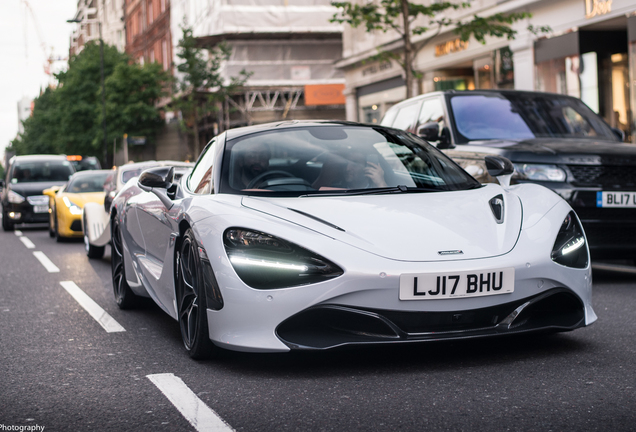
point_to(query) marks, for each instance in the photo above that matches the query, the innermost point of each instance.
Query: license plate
(616, 199)
(41, 209)
(433, 286)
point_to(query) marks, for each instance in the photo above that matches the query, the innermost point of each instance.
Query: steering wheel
(259, 178)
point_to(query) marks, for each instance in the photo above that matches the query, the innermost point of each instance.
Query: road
(61, 369)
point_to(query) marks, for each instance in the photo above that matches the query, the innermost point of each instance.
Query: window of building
(151, 16)
(163, 6)
(164, 54)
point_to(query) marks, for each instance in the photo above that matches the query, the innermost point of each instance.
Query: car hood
(558, 150)
(82, 198)
(34, 188)
(407, 227)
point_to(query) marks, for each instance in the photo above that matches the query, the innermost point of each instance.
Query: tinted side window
(406, 117)
(201, 180)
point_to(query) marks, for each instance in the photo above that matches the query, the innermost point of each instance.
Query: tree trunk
(408, 51)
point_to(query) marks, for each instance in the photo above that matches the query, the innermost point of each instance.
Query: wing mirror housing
(429, 131)
(158, 181)
(501, 168)
(619, 134)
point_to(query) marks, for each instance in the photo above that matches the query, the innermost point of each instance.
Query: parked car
(83, 163)
(316, 235)
(553, 140)
(23, 201)
(66, 202)
(95, 221)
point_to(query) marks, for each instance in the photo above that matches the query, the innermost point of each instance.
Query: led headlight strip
(263, 261)
(570, 245)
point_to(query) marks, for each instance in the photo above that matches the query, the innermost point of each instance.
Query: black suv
(553, 140)
(26, 178)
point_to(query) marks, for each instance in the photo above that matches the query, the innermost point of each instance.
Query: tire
(124, 296)
(6, 224)
(51, 225)
(92, 251)
(191, 302)
(56, 230)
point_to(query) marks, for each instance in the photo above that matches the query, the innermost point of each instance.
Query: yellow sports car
(66, 202)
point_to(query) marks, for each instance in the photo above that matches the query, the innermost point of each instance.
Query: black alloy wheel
(124, 296)
(191, 302)
(51, 222)
(58, 237)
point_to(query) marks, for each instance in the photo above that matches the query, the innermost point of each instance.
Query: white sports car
(310, 235)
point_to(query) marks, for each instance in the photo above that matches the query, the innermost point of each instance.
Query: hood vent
(497, 207)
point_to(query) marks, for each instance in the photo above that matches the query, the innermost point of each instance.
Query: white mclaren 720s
(313, 235)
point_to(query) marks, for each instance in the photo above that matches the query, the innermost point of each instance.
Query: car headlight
(540, 172)
(15, 198)
(72, 207)
(570, 247)
(266, 262)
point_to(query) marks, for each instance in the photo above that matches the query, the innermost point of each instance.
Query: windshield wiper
(378, 191)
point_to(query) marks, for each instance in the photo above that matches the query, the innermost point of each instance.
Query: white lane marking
(28, 243)
(18, 233)
(100, 315)
(189, 405)
(46, 262)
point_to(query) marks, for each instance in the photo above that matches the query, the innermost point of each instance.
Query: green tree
(132, 92)
(68, 119)
(200, 85)
(409, 20)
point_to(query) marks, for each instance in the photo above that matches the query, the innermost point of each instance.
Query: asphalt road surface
(70, 360)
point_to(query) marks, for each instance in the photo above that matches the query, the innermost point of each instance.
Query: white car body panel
(96, 224)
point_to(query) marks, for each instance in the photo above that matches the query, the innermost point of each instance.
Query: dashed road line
(202, 417)
(46, 262)
(28, 243)
(17, 232)
(100, 315)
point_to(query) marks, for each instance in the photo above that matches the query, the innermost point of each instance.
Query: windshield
(524, 116)
(87, 183)
(326, 159)
(42, 171)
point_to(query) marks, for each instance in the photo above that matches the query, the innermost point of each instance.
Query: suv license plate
(41, 209)
(433, 286)
(616, 199)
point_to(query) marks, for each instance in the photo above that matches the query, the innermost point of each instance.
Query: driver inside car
(250, 163)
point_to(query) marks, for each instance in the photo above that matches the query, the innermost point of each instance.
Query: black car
(26, 178)
(553, 140)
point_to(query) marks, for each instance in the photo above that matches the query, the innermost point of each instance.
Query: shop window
(371, 114)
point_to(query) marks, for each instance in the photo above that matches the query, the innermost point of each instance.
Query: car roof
(247, 130)
(481, 92)
(36, 158)
(90, 173)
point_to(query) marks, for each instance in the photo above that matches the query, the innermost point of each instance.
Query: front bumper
(330, 326)
(23, 213)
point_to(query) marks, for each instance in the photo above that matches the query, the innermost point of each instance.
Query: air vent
(497, 207)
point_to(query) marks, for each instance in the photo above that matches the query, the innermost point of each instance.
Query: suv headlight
(266, 262)
(15, 198)
(72, 207)
(540, 172)
(570, 247)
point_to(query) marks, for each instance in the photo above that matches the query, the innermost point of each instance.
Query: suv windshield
(41, 171)
(326, 159)
(524, 116)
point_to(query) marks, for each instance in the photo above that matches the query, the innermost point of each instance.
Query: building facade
(90, 15)
(590, 53)
(289, 47)
(148, 31)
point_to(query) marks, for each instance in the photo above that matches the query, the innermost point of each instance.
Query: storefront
(593, 62)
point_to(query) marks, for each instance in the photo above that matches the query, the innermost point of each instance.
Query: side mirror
(429, 131)
(619, 134)
(160, 177)
(501, 168)
(445, 140)
(158, 180)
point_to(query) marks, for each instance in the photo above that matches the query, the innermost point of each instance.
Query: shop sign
(597, 7)
(375, 68)
(324, 94)
(452, 47)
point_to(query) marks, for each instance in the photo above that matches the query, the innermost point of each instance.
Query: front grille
(607, 176)
(76, 225)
